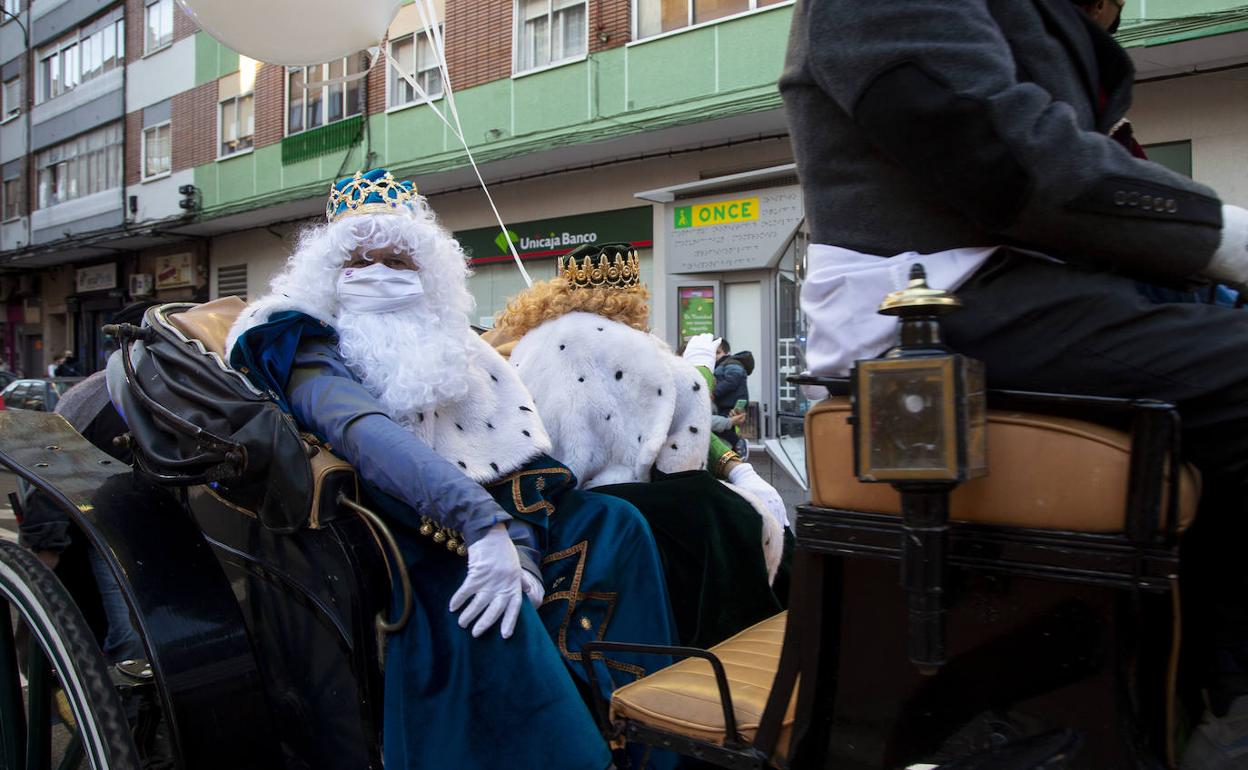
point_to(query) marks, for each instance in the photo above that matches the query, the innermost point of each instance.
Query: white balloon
(294, 32)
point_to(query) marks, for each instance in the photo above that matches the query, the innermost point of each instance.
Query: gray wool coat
(923, 125)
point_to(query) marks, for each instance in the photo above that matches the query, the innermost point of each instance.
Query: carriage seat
(209, 324)
(1045, 472)
(683, 699)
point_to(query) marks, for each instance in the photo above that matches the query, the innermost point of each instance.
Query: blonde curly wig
(551, 299)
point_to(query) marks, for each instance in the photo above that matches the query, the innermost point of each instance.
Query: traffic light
(190, 198)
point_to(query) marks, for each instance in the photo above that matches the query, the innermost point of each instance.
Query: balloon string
(428, 18)
(458, 133)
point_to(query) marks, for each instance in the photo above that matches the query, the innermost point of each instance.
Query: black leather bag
(194, 420)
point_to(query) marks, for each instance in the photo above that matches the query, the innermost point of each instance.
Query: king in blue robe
(453, 699)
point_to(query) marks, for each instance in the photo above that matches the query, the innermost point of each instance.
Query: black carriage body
(256, 593)
(309, 600)
(263, 645)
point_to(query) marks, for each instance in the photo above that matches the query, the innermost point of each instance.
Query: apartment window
(414, 55)
(12, 98)
(238, 124)
(12, 194)
(87, 164)
(158, 28)
(324, 93)
(549, 32)
(12, 6)
(88, 53)
(103, 48)
(157, 150)
(655, 17)
(53, 78)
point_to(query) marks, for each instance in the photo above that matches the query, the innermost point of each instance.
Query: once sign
(722, 213)
(729, 232)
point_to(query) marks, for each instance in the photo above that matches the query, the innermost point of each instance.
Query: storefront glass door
(791, 333)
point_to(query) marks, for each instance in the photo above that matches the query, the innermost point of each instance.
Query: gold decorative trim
(619, 273)
(574, 596)
(352, 197)
(516, 498)
(453, 539)
(721, 463)
(234, 506)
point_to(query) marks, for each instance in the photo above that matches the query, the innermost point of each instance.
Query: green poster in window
(697, 311)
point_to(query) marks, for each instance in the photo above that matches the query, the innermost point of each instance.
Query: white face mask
(377, 289)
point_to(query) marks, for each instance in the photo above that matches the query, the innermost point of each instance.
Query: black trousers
(1041, 325)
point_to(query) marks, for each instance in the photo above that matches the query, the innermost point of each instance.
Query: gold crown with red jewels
(590, 267)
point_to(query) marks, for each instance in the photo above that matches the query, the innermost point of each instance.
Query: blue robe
(451, 700)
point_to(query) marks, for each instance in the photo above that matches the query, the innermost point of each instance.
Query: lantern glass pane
(909, 418)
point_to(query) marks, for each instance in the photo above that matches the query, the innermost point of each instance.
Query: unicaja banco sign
(537, 242)
(555, 237)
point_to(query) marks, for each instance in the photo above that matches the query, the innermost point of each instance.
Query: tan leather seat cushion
(683, 698)
(210, 322)
(1043, 473)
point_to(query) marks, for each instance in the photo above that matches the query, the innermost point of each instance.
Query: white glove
(494, 583)
(1229, 263)
(700, 350)
(747, 478)
(533, 588)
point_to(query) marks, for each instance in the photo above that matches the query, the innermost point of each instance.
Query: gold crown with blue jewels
(369, 192)
(615, 267)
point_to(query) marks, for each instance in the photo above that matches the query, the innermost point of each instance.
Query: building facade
(143, 159)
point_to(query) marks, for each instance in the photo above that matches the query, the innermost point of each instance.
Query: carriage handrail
(732, 738)
(405, 580)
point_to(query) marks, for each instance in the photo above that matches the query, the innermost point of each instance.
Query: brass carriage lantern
(919, 424)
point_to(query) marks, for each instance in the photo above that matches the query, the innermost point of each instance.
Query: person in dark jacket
(730, 380)
(731, 373)
(974, 137)
(68, 366)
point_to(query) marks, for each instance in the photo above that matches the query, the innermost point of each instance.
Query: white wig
(308, 283)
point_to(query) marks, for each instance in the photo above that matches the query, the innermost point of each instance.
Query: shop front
(734, 251)
(99, 294)
(539, 243)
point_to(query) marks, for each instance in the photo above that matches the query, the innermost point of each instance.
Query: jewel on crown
(365, 195)
(618, 273)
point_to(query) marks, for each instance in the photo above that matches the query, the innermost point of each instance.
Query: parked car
(36, 395)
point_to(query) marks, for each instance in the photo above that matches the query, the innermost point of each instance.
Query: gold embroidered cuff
(721, 465)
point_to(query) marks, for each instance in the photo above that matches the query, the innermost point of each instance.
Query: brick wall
(479, 36)
(270, 104)
(375, 97)
(183, 25)
(478, 41)
(136, 27)
(195, 126)
(609, 18)
(134, 147)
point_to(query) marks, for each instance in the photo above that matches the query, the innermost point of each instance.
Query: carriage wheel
(69, 715)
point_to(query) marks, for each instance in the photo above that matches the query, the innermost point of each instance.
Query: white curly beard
(411, 360)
